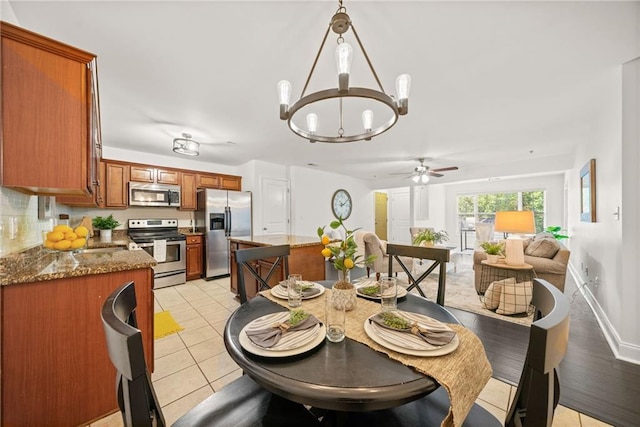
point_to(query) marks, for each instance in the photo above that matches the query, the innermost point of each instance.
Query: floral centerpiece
(344, 258)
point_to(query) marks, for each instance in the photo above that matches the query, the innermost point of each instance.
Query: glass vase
(344, 292)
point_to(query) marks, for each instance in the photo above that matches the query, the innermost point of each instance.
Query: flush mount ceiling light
(186, 145)
(340, 24)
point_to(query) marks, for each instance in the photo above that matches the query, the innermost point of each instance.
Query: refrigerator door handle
(229, 221)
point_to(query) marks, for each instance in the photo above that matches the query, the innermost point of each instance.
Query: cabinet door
(207, 181)
(142, 174)
(45, 115)
(230, 182)
(188, 189)
(194, 261)
(117, 177)
(164, 176)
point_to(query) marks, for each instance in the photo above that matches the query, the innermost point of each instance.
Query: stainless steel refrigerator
(222, 214)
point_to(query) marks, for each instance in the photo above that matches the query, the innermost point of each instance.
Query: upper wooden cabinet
(116, 180)
(229, 182)
(207, 180)
(154, 175)
(188, 200)
(224, 182)
(50, 119)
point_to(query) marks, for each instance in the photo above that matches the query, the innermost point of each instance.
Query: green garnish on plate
(297, 316)
(394, 321)
(373, 290)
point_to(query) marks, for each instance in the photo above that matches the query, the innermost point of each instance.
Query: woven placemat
(463, 373)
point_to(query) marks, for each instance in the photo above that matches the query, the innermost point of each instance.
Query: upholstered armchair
(374, 246)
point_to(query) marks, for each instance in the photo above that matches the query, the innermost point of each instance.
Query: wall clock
(341, 204)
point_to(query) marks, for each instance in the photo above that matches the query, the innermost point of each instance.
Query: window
(483, 207)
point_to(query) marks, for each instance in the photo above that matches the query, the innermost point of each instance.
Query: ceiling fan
(422, 173)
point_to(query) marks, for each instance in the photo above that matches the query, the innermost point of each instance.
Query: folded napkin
(269, 336)
(435, 333)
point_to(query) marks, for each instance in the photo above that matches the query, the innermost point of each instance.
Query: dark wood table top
(345, 376)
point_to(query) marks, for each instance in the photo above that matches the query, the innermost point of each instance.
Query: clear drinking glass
(334, 320)
(388, 293)
(294, 290)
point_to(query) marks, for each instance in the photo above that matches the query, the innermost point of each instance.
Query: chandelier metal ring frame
(340, 23)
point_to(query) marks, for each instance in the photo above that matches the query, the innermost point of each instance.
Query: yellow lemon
(55, 236)
(70, 236)
(49, 244)
(325, 240)
(62, 245)
(78, 243)
(326, 252)
(63, 228)
(348, 263)
(81, 231)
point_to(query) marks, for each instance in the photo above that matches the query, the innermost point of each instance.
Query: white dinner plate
(405, 343)
(293, 343)
(280, 291)
(402, 292)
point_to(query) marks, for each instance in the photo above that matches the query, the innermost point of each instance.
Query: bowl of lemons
(65, 238)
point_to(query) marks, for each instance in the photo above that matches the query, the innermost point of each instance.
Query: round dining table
(346, 376)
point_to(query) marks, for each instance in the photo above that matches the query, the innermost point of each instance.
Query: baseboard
(621, 350)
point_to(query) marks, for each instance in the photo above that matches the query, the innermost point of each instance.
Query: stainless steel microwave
(154, 195)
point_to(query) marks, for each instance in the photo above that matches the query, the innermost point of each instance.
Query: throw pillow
(515, 298)
(543, 235)
(492, 295)
(543, 248)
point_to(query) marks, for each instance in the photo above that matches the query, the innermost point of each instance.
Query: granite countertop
(278, 239)
(36, 264)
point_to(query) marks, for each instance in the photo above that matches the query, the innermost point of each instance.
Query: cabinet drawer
(194, 240)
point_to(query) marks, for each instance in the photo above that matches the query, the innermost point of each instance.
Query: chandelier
(186, 145)
(340, 24)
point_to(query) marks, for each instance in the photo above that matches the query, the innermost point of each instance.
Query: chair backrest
(245, 259)
(484, 232)
(538, 390)
(137, 399)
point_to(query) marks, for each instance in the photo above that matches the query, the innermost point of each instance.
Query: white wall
(311, 193)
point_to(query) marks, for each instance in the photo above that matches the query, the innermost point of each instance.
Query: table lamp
(518, 223)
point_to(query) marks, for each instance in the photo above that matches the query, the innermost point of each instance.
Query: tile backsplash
(20, 227)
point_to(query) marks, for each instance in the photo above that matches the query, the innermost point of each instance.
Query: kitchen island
(305, 259)
(55, 366)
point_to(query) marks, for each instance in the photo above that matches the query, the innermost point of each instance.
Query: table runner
(463, 373)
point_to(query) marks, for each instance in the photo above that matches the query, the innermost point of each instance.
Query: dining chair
(240, 403)
(247, 260)
(538, 390)
(440, 256)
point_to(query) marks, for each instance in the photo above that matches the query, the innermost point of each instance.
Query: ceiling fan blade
(402, 173)
(450, 168)
(437, 175)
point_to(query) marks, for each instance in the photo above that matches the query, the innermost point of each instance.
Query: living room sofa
(551, 266)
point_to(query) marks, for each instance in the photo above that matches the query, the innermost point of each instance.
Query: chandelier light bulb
(403, 86)
(312, 123)
(344, 55)
(367, 120)
(284, 92)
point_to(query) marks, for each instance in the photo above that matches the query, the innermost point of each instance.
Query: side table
(498, 271)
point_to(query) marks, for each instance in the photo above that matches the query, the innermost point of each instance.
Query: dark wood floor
(592, 380)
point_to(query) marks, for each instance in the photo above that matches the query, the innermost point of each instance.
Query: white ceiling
(499, 88)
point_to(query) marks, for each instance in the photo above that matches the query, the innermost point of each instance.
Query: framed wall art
(588, 192)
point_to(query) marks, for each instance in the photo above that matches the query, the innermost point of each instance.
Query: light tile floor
(193, 364)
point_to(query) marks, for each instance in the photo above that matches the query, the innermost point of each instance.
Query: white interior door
(400, 213)
(275, 206)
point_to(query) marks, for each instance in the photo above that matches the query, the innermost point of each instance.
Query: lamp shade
(521, 222)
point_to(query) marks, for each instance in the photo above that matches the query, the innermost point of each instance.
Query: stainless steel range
(161, 239)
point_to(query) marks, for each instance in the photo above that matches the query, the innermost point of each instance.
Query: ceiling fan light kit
(186, 145)
(340, 24)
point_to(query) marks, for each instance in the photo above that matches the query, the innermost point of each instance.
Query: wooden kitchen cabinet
(229, 182)
(195, 258)
(115, 183)
(188, 196)
(207, 180)
(224, 182)
(55, 366)
(50, 118)
(154, 175)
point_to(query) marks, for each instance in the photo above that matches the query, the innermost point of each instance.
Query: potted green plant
(555, 230)
(105, 225)
(430, 237)
(494, 250)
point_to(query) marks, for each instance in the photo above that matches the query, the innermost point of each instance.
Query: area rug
(164, 324)
(460, 293)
